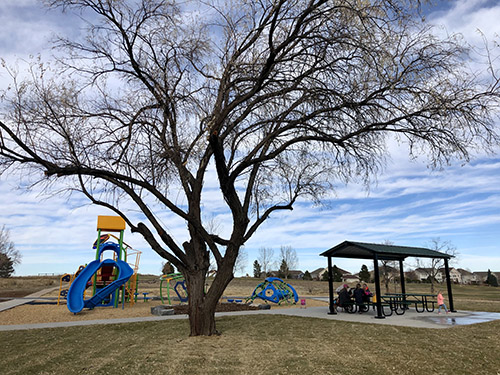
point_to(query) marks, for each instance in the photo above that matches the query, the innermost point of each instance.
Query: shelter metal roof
(360, 250)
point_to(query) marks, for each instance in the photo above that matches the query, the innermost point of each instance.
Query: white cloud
(409, 204)
(468, 16)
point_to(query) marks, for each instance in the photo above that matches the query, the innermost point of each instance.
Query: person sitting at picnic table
(359, 295)
(344, 297)
(367, 294)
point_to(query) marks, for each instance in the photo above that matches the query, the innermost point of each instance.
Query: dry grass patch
(253, 345)
(23, 285)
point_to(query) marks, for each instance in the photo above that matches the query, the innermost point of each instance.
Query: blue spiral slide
(75, 300)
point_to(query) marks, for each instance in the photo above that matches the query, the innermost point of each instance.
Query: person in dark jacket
(359, 295)
(344, 296)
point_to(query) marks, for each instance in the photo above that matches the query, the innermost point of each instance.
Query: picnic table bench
(352, 307)
(422, 302)
(396, 303)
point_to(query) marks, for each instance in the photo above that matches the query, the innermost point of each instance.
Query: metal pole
(402, 278)
(330, 286)
(448, 284)
(380, 314)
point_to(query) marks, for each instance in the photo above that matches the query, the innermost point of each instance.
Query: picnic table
(400, 302)
(395, 303)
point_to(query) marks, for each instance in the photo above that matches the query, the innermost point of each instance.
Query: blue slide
(75, 300)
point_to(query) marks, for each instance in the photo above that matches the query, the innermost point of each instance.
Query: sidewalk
(410, 319)
(21, 301)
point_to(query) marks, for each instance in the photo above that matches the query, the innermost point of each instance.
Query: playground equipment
(275, 290)
(106, 276)
(179, 286)
(65, 282)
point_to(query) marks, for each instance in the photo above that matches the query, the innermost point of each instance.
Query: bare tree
(389, 269)
(433, 266)
(266, 259)
(281, 98)
(241, 261)
(288, 260)
(8, 248)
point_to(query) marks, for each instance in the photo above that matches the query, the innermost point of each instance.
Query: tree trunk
(201, 308)
(202, 304)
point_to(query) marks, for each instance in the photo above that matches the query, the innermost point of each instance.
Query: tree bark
(203, 303)
(201, 308)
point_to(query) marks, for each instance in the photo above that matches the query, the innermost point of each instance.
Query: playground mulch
(48, 313)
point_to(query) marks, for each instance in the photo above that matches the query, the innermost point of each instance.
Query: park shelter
(376, 252)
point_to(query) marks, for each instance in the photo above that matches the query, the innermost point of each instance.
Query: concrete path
(410, 319)
(21, 301)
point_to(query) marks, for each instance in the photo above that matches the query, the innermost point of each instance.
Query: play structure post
(98, 246)
(120, 257)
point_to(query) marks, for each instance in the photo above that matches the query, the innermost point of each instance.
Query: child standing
(440, 302)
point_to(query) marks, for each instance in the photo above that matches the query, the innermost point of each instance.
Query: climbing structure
(274, 290)
(176, 282)
(64, 284)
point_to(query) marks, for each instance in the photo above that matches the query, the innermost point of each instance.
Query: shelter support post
(380, 314)
(330, 287)
(448, 284)
(402, 278)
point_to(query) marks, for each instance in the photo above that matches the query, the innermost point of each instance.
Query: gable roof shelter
(361, 250)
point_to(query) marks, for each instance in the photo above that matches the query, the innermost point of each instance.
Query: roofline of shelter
(382, 252)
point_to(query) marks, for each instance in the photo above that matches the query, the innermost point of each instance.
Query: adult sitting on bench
(345, 298)
(359, 298)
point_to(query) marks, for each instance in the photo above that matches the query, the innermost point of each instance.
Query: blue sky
(408, 204)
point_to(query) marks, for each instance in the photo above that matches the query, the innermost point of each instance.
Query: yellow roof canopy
(110, 223)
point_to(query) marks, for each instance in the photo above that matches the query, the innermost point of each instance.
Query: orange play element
(110, 223)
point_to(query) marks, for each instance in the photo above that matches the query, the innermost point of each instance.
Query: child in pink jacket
(440, 302)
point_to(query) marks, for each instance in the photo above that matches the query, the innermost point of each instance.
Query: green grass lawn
(253, 345)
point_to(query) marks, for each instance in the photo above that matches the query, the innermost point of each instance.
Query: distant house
(457, 275)
(482, 276)
(350, 279)
(295, 274)
(343, 272)
(317, 274)
(422, 274)
(467, 277)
